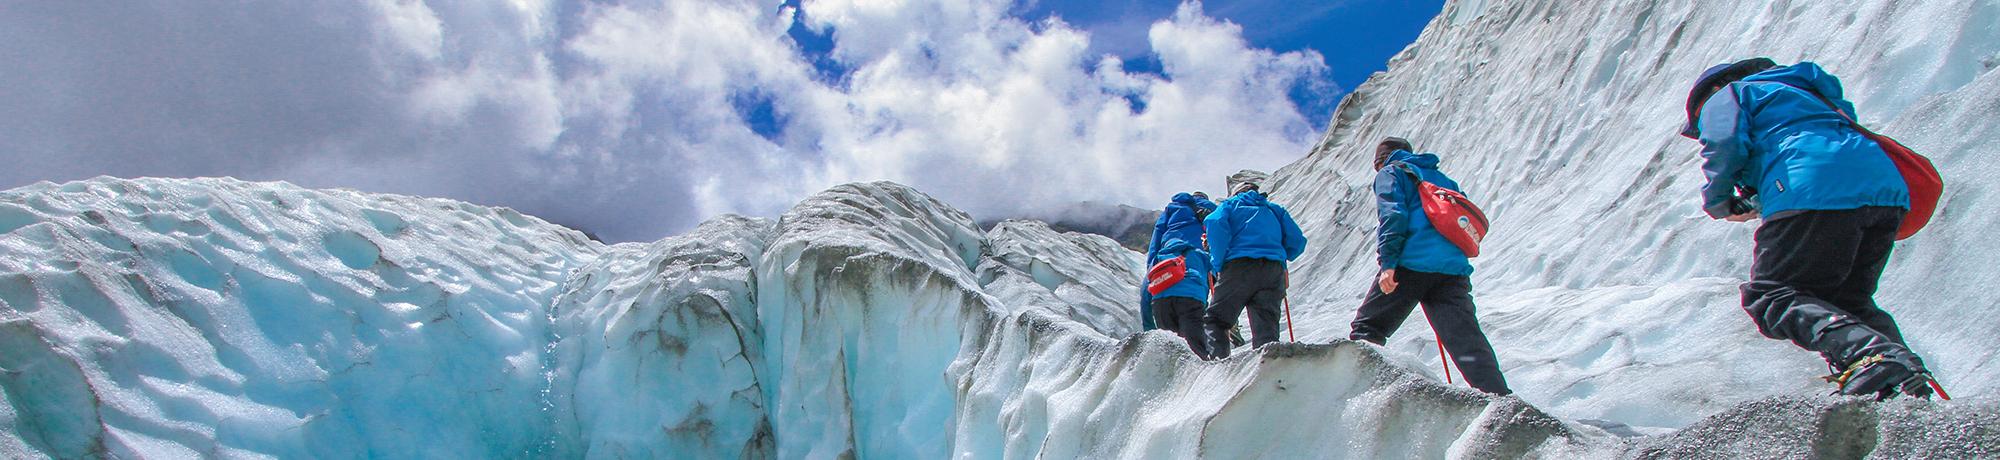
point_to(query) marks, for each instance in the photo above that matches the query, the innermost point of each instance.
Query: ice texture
(1087, 278)
(656, 349)
(183, 318)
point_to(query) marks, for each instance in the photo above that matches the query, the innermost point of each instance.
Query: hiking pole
(1288, 307)
(1940, 390)
(1443, 361)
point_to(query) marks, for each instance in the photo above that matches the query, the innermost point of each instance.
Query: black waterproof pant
(1447, 301)
(1258, 284)
(1813, 282)
(1183, 316)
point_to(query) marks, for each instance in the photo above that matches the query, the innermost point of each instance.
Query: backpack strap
(1836, 108)
(1416, 181)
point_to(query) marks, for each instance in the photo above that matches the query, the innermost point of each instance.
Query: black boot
(1884, 376)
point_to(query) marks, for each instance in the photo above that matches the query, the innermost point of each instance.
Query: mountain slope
(1604, 287)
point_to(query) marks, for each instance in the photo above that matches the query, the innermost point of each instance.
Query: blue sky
(1354, 37)
(638, 119)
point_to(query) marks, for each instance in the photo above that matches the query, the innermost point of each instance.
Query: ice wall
(657, 347)
(218, 318)
(1608, 294)
(1086, 278)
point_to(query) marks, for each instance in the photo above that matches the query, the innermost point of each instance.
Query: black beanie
(1390, 145)
(1711, 81)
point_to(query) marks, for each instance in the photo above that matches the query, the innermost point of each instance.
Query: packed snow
(158, 318)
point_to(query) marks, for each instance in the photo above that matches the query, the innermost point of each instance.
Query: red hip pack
(1164, 274)
(1451, 213)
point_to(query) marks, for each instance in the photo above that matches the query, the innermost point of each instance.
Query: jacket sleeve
(1153, 246)
(1217, 226)
(1725, 153)
(1393, 229)
(1294, 238)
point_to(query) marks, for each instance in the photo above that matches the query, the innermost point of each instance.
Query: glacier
(177, 318)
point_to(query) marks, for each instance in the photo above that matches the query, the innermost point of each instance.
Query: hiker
(1250, 239)
(1183, 306)
(1419, 266)
(1774, 147)
(1181, 220)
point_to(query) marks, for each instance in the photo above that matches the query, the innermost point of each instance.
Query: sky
(636, 120)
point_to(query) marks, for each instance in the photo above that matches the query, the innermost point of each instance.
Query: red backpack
(1918, 173)
(1451, 213)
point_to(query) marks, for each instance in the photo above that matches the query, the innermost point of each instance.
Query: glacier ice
(870, 321)
(156, 318)
(181, 318)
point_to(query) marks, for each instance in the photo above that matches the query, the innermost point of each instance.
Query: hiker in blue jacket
(1181, 220)
(1250, 239)
(1183, 307)
(1777, 143)
(1420, 266)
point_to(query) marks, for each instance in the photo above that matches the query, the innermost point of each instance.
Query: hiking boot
(1884, 377)
(1236, 336)
(1918, 386)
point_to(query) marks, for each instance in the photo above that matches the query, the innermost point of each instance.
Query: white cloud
(623, 118)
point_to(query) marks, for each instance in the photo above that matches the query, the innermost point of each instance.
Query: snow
(156, 318)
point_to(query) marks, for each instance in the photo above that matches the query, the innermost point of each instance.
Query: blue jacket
(1177, 222)
(1768, 133)
(1405, 237)
(1195, 284)
(1246, 226)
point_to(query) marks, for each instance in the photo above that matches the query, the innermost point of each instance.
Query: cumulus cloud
(639, 119)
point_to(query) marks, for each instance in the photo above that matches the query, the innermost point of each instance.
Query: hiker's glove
(1735, 206)
(1741, 206)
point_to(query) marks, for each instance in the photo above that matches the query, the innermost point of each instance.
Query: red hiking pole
(1940, 390)
(1288, 307)
(1445, 362)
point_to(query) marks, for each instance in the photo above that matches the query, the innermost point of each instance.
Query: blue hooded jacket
(1195, 284)
(1405, 237)
(1769, 133)
(1246, 226)
(1177, 222)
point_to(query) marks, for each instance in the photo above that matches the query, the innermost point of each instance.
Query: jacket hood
(1421, 160)
(1175, 246)
(1189, 200)
(1803, 75)
(1250, 198)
